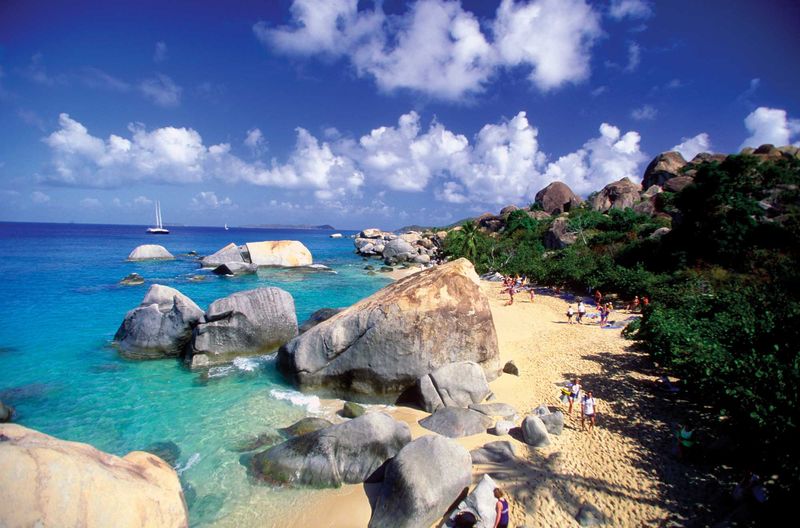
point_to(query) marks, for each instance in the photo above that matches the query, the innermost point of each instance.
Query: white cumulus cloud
(602, 160)
(552, 39)
(691, 147)
(770, 125)
(255, 141)
(160, 54)
(209, 200)
(90, 203)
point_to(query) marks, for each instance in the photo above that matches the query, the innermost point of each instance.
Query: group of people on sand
(637, 304)
(515, 284)
(604, 311)
(575, 392)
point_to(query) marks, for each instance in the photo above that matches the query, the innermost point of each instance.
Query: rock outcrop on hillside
(381, 345)
(160, 326)
(247, 323)
(663, 167)
(617, 195)
(150, 252)
(557, 198)
(284, 253)
(50, 482)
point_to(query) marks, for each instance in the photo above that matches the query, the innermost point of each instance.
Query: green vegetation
(725, 285)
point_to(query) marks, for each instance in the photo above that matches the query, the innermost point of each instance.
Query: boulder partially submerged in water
(247, 323)
(160, 326)
(346, 453)
(421, 483)
(285, 253)
(383, 344)
(6, 412)
(50, 482)
(150, 252)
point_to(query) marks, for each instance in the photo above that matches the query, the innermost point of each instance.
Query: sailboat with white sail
(159, 227)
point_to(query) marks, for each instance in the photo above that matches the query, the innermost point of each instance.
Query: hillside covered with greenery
(724, 283)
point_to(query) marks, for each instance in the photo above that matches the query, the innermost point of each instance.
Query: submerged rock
(134, 279)
(160, 326)
(167, 451)
(6, 412)
(247, 323)
(421, 483)
(150, 252)
(305, 426)
(50, 482)
(383, 344)
(257, 442)
(346, 453)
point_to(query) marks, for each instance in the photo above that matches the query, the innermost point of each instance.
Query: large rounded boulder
(383, 344)
(346, 453)
(421, 483)
(663, 167)
(557, 198)
(287, 253)
(45, 481)
(620, 194)
(247, 323)
(161, 326)
(150, 252)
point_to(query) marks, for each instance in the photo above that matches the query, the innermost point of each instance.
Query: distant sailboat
(226, 227)
(159, 227)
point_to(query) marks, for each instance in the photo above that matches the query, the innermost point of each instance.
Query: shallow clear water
(62, 306)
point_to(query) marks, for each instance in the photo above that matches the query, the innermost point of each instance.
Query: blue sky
(348, 113)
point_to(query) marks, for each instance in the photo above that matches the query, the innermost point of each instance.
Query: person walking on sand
(501, 510)
(581, 311)
(574, 393)
(570, 313)
(588, 411)
(598, 298)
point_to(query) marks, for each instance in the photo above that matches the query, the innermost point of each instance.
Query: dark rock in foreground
(421, 483)
(323, 314)
(6, 412)
(346, 453)
(160, 326)
(305, 426)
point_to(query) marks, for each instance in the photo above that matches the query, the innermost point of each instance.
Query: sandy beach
(624, 467)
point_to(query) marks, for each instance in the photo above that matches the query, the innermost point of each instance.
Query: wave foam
(309, 401)
(194, 459)
(240, 364)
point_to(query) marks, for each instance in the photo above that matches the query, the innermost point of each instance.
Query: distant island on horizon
(327, 227)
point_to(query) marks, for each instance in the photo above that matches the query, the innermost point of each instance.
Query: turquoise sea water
(62, 306)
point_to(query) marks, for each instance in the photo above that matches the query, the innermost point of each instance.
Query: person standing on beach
(574, 393)
(501, 510)
(570, 313)
(598, 298)
(581, 311)
(588, 411)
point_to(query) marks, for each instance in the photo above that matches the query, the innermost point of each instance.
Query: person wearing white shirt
(588, 409)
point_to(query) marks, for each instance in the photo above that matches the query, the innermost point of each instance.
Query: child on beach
(581, 312)
(570, 313)
(574, 393)
(588, 411)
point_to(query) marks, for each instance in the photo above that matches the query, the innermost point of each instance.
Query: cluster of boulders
(238, 260)
(412, 246)
(380, 346)
(50, 482)
(169, 324)
(667, 172)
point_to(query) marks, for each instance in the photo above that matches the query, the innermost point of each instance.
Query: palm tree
(466, 240)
